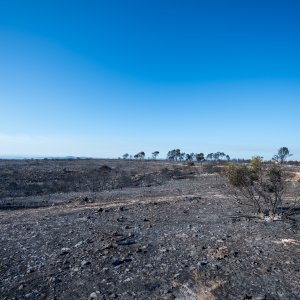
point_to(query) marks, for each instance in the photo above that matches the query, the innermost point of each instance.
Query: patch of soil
(168, 235)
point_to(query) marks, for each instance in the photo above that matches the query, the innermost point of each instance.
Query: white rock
(78, 244)
(127, 279)
(93, 296)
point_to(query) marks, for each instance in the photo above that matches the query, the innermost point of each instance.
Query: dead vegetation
(22, 180)
(169, 234)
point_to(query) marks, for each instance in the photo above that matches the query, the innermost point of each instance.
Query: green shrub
(262, 186)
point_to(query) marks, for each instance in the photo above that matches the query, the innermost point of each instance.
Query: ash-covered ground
(114, 229)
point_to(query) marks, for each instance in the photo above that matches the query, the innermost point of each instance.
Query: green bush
(262, 186)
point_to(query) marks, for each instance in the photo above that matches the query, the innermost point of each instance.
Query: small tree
(154, 154)
(216, 156)
(125, 156)
(282, 154)
(210, 156)
(181, 156)
(200, 157)
(177, 154)
(171, 155)
(140, 155)
(188, 157)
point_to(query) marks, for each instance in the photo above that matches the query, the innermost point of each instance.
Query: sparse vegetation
(125, 156)
(262, 185)
(282, 155)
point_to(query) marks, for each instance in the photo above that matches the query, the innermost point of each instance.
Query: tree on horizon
(154, 154)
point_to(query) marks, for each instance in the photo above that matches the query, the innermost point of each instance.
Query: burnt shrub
(263, 186)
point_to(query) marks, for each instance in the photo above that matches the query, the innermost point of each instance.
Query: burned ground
(80, 229)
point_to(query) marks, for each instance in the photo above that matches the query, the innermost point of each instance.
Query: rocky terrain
(115, 229)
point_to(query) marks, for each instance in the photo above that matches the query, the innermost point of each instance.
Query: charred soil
(106, 229)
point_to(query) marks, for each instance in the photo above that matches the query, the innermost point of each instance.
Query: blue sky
(101, 78)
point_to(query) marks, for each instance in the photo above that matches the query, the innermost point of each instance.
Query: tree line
(177, 155)
(141, 155)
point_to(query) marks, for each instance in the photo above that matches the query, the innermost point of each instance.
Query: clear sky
(102, 78)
